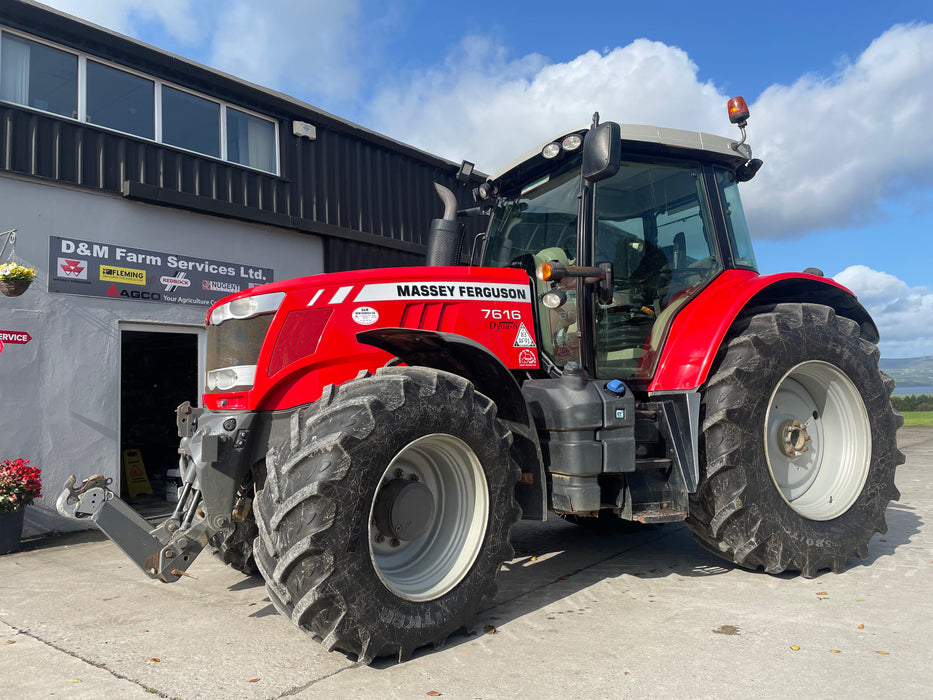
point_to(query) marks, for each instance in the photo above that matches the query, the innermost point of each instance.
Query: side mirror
(747, 171)
(602, 151)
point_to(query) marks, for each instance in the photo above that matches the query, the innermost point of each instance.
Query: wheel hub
(818, 440)
(427, 523)
(403, 509)
(793, 438)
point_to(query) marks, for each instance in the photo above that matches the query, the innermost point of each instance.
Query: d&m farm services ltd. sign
(96, 269)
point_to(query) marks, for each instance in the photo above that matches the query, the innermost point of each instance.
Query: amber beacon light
(738, 111)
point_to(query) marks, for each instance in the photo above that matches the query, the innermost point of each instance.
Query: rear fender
(464, 357)
(701, 327)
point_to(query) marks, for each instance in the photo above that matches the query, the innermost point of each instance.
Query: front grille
(236, 342)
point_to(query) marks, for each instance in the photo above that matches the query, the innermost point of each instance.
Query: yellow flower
(14, 271)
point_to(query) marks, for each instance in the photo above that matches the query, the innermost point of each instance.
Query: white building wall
(59, 393)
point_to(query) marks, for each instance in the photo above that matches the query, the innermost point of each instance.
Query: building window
(77, 86)
(38, 76)
(250, 140)
(120, 100)
(191, 122)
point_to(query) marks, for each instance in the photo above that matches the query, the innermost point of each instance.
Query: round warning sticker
(365, 315)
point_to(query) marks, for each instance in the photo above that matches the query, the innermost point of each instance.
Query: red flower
(19, 484)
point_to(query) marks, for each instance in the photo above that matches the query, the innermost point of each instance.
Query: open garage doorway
(159, 369)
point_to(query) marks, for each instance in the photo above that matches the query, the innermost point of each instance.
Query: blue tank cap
(616, 387)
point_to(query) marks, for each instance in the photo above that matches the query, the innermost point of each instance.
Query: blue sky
(840, 93)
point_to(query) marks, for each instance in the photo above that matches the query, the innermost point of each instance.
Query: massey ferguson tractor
(367, 439)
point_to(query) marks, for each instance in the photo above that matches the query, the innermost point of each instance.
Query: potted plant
(20, 484)
(15, 278)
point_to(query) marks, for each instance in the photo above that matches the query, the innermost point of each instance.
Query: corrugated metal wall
(371, 204)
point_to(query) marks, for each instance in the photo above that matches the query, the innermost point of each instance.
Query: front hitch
(163, 553)
(215, 454)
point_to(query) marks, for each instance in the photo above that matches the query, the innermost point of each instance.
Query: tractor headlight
(247, 307)
(226, 378)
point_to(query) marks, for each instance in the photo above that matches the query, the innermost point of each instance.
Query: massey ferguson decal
(497, 314)
(109, 270)
(72, 269)
(457, 291)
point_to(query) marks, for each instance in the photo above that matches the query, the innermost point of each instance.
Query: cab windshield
(652, 222)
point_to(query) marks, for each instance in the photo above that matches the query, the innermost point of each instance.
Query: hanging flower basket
(14, 288)
(15, 279)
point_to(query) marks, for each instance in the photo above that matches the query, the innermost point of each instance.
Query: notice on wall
(96, 269)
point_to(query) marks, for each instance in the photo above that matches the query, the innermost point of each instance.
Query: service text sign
(96, 269)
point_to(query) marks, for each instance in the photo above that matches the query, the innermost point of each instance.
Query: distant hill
(909, 371)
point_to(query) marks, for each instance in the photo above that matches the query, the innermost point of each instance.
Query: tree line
(913, 402)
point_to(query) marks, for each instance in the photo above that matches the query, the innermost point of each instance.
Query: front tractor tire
(798, 444)
(385, 514)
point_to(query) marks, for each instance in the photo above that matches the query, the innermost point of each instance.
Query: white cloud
(835, 148)
(299, 47)
(127, 16)
(487, 108)
(904, 314)
(308, 47)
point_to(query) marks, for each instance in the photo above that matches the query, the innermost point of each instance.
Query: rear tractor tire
(385, 516)
(798, 444)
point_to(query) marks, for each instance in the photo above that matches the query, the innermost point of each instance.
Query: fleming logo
(127, 275)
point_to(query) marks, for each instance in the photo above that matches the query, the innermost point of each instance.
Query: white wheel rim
(431, 565)
(818, 440)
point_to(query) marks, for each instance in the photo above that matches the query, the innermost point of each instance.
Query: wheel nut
(380, 538)
(394, 542)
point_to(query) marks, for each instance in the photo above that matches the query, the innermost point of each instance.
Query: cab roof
(662, 136)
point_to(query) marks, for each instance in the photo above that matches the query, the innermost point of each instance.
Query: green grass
(917, 418)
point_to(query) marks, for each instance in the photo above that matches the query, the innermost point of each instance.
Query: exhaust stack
(445, 237)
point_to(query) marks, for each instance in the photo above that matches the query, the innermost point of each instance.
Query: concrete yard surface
(644, 614)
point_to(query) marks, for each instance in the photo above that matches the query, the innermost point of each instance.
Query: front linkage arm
(164, 552)
(215, 457)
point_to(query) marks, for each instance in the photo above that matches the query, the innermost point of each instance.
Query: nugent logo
(214, 286)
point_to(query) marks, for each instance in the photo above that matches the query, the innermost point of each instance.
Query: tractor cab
(622, 226)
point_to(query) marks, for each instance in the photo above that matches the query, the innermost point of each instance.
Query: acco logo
(133, 294)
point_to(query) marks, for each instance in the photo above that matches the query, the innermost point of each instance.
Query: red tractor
(611, 353)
